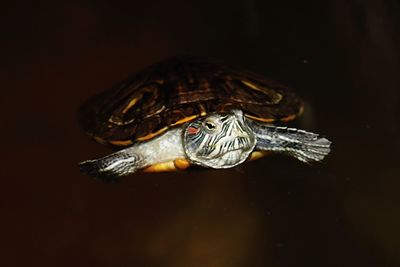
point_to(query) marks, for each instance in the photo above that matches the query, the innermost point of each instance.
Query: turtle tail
(111, 167)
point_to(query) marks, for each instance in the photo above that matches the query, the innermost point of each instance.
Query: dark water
(341, 56)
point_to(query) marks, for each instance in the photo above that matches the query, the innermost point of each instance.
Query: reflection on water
(341, 56)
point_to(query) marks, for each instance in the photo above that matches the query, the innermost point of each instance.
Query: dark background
(341, 56)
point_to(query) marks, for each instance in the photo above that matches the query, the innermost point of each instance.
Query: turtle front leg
(305, 146)
(110, 167)
(154, 155)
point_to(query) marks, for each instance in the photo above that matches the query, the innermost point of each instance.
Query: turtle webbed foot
(111, 167)
(305, 146)
(310, 151)
(92, 168)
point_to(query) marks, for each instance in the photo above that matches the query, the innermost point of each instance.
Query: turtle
(187, 111)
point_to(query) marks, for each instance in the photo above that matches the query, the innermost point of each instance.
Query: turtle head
(219, 140)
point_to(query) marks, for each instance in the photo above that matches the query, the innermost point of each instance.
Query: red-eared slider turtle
(188, 111)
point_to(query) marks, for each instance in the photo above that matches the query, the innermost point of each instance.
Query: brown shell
(178, 90)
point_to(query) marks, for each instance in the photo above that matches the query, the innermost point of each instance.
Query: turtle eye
(210, 126)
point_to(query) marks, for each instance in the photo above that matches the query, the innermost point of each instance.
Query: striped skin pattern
(110, 167)
(162, 149)
(305, 146)
(219, 140)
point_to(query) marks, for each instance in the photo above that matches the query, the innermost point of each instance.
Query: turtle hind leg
(112, 166)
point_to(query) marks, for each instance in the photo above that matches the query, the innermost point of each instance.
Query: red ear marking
(192, 130)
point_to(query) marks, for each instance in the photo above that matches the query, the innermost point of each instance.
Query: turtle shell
(179, 90)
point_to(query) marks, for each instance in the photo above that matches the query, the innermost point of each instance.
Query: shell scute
(179, 90)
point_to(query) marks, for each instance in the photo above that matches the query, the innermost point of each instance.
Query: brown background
(341, 56)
